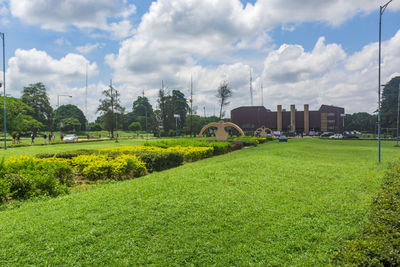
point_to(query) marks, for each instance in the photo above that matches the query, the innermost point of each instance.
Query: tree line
(32, 113)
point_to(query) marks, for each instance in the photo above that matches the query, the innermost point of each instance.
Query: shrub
(247, 142)
(4, 189)
(160, 161)
(379, 244)
(219, 147)
(191, 154)
(95, 167)
(68, 154)
(236, 145)
(28, 177)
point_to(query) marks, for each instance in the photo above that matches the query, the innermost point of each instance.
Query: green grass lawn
(279, 203)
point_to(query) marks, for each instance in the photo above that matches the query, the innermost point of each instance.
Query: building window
(331, 121)
(331, 114)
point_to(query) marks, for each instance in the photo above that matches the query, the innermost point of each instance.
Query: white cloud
(89, 14)
(87, 48)
(32, 66)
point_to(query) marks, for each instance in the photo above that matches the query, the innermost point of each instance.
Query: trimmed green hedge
(219, 147)
(379, 244)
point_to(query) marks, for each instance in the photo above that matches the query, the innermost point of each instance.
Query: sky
(300, 52)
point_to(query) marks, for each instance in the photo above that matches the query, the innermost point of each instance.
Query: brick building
(327, 118)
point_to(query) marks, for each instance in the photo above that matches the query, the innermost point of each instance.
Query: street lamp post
(4, 89)
(381, 11)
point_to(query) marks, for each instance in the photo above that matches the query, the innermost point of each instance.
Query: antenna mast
(251, 88)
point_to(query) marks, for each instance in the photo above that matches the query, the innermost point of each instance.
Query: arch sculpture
(221, 133)
(263, 131)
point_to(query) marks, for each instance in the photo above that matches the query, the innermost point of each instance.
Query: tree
(109, 107)
(181, 107)
(223, 94)
(36, 97)
(361, 121)
(389, 103)
(169, 106)
(71, 125)
(69, 112)
(134, 126)
(143, 112)
(18, 118)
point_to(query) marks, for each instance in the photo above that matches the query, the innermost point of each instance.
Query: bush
(191, 154)
(4, 189)
(219, 147)
(28, 177)
(236, 145)
(160, 161)
(379, 244)
(248, 142)
(68, 154)
(96, 167)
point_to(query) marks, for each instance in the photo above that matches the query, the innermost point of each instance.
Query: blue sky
(314, 52)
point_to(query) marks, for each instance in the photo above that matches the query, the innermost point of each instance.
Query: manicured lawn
(279, 203)
(33, 150)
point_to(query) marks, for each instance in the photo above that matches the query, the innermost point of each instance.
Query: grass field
(279, 203)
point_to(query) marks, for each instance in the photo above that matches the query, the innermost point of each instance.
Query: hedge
(379, 243)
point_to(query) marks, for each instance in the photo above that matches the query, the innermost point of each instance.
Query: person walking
(44, 138)
(32, 138)
(18, 138)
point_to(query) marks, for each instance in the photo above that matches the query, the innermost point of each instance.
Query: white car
(336, 136)
(71, 137)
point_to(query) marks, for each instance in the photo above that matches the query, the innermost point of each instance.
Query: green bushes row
(26, 178)
(379, 243)
(219, 147)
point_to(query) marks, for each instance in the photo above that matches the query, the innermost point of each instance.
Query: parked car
(71, 137)
(350, 136)
(336, 136)
(326, 134)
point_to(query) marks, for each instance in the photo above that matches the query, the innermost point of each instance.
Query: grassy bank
(279, 203)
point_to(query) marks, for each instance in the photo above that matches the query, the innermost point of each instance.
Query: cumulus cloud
(60, 15)
(32, 66)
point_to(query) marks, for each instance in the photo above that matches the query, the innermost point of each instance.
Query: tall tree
(66, 113)
(389, 103)
(166, 110)
(361, 121)
(36, 97)
(181, 107)
(143, 113)
(18, 118)
(109, 107)
(223, 94)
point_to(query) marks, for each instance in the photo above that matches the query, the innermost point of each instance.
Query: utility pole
(398, 111)
(87, 119)
(4, 89)
(191, 104)
(204, 108)
(112, 110)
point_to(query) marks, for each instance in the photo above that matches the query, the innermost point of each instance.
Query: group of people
(16, 138)
(51, 137)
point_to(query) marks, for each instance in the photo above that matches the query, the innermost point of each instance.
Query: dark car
(350, 136)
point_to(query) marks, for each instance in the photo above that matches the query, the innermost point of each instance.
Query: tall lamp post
(381, 11)
(4, 89)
